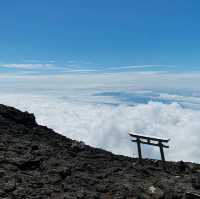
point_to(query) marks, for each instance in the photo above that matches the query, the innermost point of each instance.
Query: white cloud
(66, 103)
(107, 126)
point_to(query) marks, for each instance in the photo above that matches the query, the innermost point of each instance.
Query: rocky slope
(37, 163)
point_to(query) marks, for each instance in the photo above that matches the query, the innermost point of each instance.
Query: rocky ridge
(37, 163)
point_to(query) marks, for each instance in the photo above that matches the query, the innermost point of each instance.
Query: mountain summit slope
(37, 163)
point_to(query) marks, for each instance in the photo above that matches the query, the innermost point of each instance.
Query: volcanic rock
(37, 163)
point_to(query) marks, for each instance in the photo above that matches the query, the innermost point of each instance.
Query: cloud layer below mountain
(108, 126)
(100, 109)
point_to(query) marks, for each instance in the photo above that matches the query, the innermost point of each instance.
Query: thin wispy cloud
(29, 65)
(134, 67)
(77, 66)
(38, 61)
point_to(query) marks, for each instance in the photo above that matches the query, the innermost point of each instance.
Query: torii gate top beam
(136, 135)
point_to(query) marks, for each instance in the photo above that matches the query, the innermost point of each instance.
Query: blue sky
(159, 34)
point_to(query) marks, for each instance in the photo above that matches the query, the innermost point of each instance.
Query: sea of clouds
(100, 109)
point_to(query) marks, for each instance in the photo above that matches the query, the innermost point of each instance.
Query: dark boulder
(13, 115)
